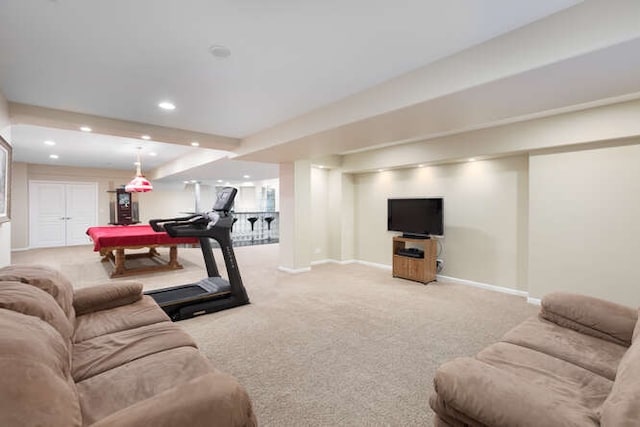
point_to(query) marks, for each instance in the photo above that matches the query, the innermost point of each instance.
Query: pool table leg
(119, 263)
(173, 257)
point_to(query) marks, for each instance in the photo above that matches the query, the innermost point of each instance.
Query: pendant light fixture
(139, 184)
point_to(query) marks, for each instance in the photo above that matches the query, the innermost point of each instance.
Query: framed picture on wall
(5, 180)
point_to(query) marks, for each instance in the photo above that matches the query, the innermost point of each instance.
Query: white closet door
(47, 213)
(60, 213)
(81, 212)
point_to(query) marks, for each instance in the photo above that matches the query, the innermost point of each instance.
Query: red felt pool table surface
(111, 242)
(132, 235)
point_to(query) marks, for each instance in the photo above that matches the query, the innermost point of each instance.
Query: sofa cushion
(141, 313)
(104, 352)
(636, 330)
(596, 355)
(32, 301)
(491, 396)
(49, 280)
(211, 400)
(35, 382)
(139, 380)
(592, 316)
(106, 296)
(622, 407)
(554, 375)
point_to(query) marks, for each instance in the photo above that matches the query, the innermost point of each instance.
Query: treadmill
(212, 293)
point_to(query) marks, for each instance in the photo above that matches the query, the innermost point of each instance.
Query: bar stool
(268, 220)
(252, 220)
(233, 222)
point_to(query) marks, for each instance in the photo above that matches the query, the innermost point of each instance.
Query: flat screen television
(419, 218)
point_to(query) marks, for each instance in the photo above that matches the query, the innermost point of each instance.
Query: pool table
(112, 241)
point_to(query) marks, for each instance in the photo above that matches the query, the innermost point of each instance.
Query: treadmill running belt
(181, 293)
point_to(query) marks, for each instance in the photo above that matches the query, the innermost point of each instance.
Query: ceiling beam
(23, 114)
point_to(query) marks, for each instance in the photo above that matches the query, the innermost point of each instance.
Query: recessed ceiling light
(195, 144)
(472, 160)
(145, 137)
(320, 167)
(153, 154)
(219, 180)
(136, 163)
(227, 183)
(85, 129)
(219, 51)
(186, 182)
(380, 170)
(420, 166)
(53, 156)
(166, 105)
(50, 142)
(246, 176)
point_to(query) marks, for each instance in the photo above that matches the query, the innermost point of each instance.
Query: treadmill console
(224, 200)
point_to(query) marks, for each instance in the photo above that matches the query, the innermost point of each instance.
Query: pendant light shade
(139, 184)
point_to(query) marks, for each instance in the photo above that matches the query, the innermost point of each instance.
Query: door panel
(47, 213)
(81, 212)
(60, 213)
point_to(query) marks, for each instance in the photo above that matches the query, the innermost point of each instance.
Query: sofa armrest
(104, 297)
(480, 394)
(214, 399)
(591, 316)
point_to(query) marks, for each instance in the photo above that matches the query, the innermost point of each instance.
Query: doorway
(61, 212)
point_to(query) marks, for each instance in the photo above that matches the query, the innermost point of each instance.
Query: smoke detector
(219, 51)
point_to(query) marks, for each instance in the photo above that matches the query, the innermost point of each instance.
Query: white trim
(484, 286)
(375, 264)
(534, 301)
(333, 261)
(20, 249)
(294, 270)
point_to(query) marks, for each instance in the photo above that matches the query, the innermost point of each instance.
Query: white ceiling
(84, 149)
(119, 58)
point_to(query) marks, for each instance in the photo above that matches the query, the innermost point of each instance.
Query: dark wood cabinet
(123, 208)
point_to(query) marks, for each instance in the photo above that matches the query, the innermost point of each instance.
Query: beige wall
(5, 228)
(318, 223)
(584, 227)
(340, 216)
(485, 216)
(295, 212)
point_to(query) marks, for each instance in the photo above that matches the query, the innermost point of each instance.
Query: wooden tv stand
(419, 269)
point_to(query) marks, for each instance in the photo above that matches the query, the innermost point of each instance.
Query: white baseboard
(375, 264)
(20, 249)
(484, 286)
(333, 261)
(294, 270)
(534, 301)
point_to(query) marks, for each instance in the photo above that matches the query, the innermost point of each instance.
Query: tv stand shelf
(419, 269)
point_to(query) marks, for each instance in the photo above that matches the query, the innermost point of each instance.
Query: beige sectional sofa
(103, 356)
(576, 364)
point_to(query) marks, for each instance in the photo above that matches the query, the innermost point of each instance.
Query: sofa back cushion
(46, 278)
(33, 301)
(35, 379)
(622, 407)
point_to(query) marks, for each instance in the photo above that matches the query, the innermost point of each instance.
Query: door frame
(49, 181)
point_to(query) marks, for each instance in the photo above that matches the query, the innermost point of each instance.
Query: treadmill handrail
(158, 224)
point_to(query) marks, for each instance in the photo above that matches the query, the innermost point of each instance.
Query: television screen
(420, 217)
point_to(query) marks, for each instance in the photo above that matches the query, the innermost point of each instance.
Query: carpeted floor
(342, 345)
